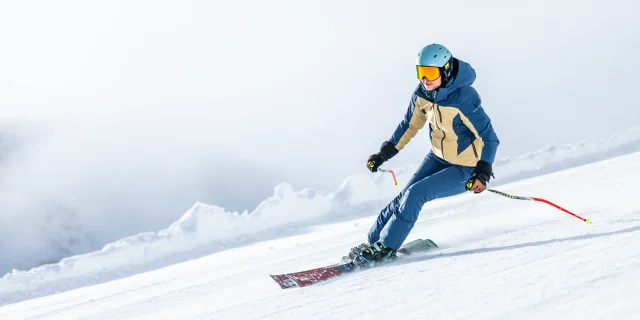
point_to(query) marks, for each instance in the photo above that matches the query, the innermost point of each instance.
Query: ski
(309, 277)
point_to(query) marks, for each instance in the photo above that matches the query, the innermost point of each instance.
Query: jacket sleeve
(476, 119)
(413, 121)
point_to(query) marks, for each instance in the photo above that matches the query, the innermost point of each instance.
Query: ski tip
(588, 221)
(426, 240)
(434, 244)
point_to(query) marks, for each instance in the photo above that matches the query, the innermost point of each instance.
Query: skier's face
(431, 85)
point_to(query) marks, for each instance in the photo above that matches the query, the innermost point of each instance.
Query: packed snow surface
(498, 259)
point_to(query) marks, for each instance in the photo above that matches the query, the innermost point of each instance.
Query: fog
(136, 110)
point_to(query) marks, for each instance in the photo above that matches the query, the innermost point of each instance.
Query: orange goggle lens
(431, 73)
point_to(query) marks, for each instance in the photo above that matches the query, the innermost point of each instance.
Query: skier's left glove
(387, 151)
(482, 173)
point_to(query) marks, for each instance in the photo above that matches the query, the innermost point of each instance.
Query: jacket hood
(463, 75)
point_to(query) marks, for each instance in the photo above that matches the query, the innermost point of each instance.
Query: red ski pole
(588, 221)
(393, 174)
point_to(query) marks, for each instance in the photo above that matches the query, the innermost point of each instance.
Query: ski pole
(393, 174)
(588, 221)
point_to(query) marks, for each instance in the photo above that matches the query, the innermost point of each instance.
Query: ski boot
(367, 254)
(355, 251)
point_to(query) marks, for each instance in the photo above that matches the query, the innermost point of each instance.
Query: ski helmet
(436, 55)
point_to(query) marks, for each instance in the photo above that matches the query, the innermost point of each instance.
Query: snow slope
(43, 220)
(206, 229)
(499, 259)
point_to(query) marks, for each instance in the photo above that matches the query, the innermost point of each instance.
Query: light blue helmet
(436, 55)
(433, 55)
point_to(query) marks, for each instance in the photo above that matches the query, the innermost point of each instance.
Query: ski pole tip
(588, 221)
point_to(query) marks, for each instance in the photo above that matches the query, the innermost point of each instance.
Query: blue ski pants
(435, 178)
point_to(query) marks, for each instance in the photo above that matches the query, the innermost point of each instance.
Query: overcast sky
(173, 102)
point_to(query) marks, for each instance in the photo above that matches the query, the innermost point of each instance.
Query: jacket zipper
(444, 134)
(473, 146)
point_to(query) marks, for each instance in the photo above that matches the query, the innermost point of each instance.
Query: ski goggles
(431, 73)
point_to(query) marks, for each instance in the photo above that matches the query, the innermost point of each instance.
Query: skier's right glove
(483, 173)
(387, 151)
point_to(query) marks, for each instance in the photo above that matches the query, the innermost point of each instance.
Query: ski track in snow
(304, 215)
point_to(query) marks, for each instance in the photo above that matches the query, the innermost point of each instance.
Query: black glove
(483, 172)
(387, 151)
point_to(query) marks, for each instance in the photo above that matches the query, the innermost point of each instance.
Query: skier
(463, 148)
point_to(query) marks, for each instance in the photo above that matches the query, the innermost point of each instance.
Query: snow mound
(204, 229)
